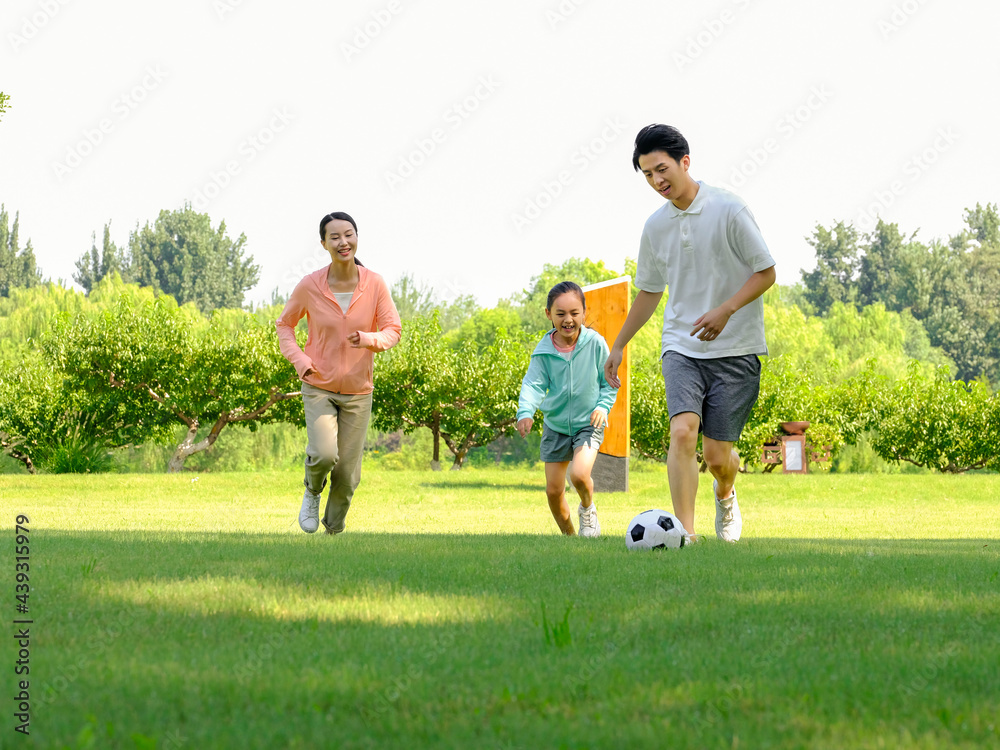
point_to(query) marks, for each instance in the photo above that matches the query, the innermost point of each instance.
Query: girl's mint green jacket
(567, 391)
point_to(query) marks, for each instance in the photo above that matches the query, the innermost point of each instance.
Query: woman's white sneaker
(309, 515)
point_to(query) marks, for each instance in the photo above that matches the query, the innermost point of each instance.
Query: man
(706, 247)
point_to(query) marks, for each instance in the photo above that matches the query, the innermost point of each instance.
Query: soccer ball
(655, 529)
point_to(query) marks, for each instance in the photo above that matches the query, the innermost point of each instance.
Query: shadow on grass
(433, 640)
(482, 485)
(460, 562)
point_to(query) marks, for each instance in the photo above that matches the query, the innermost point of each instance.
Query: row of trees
(949, 290)
(131, 371)
(180, 254)
(925, 418)
(18, 268)
(126, 364)
(131, 366)
(951, 287)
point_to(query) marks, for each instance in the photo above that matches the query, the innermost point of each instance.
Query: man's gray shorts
(720, 391)
(557, 447)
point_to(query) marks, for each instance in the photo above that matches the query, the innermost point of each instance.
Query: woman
(350, 316)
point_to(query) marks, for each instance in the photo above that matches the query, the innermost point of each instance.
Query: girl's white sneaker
(589, 525)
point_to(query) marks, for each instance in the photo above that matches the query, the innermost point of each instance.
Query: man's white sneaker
(589, 525)
(309, 515)
(728, 519)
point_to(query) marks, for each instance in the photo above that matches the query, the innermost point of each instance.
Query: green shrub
(78, 453)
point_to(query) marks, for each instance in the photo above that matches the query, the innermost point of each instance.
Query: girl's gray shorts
(722, 391)
(557, 447)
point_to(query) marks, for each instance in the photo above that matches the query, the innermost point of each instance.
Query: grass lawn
(859, 611)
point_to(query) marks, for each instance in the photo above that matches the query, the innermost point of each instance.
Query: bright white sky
(474, 142)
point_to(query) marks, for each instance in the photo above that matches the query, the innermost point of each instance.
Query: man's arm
(643, 307)
(710, 325)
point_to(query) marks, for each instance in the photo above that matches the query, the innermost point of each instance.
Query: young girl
(566, 381)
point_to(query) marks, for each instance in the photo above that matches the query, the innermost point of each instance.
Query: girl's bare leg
(555, 490)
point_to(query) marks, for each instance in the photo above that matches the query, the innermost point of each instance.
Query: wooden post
(607, 307)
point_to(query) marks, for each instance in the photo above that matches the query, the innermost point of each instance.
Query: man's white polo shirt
(703, 256)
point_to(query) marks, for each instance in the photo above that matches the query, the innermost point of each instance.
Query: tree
(466, 397)
(100, 264)
(181, 369)
(963, 311)
(649, 418)
(934, 421)
(800, 339)
(456, 312)
(28, 406)
(880, 273)
(29, 312)
(983, 224)
(411, 298)
(45, 424)
(4, 105)
(18, 268)
(858, 335)
(981, 311)
(952, 289)
(917, 343)
(411, 382)
(484, 393)
(182, 256)
(414, 300)
(836, 266)
(481, 328)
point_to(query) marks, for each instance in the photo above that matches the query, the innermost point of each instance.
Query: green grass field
(190, 612)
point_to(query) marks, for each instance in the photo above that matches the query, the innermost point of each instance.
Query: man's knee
(718, 456)
(684, 432)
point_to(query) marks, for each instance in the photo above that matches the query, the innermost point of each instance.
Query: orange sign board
(607, 307)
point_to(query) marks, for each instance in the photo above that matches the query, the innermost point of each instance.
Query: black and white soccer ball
(655, 529)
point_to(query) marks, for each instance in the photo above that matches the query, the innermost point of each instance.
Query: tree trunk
(24, 458)
(461, 451)
(10, 445)
(183, 450)
(454, 451)
(188, 447)
(436, 430)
